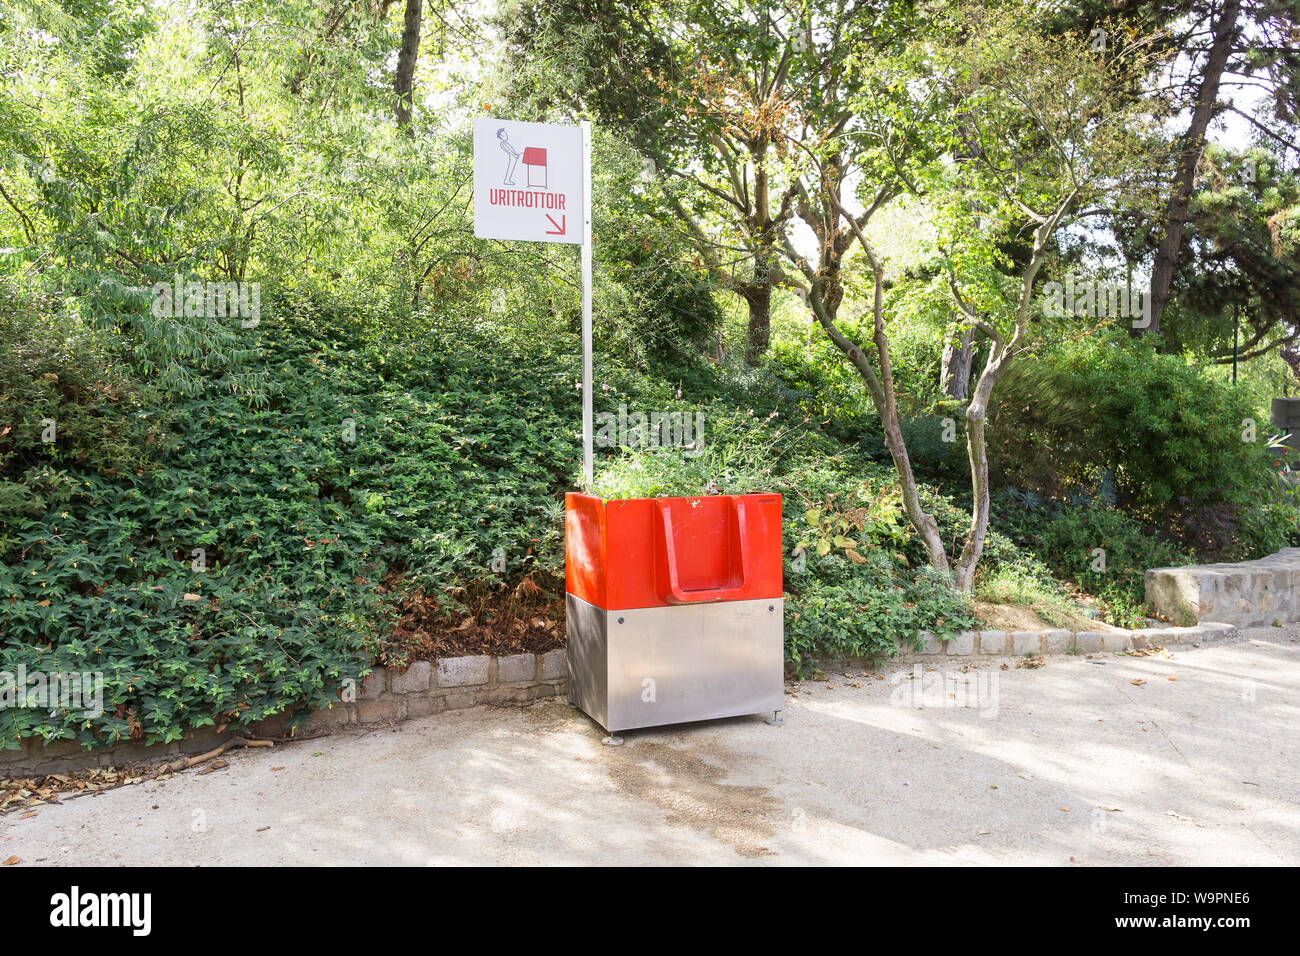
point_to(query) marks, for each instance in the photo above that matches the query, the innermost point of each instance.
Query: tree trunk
(758, 294)
(404, 77)
(977, 451)
(759, 300)
(1000, 354)
(1207, 97)
(954, 375)
(825, 305)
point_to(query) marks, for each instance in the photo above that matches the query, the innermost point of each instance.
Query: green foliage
(1175, 445)
(812, 373)
(936, 445)
(737, 454)
(239, 577)
(832, 528)
(1068, 535)
(1241, 258)
(842, 609)
(1027, 584)
(64, 396)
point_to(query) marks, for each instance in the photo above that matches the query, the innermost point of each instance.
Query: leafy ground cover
(234, 516)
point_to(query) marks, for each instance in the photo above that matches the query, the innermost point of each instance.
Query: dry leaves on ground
(1155, 650)
(24, 792)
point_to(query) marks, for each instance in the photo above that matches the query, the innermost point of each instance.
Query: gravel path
(1192, 758)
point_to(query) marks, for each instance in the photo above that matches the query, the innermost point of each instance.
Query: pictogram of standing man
(512, 156)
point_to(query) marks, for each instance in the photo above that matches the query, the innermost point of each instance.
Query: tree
(705, 90)
(407, 56)
(1044, 135)
(1240, 261)
(1213, 49)
(1223, 29)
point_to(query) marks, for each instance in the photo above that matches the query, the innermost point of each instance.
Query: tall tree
(1224, 29)
(1045, 136)
(407, 56)
(1239, 271)
(704, 89)
(1219, 57)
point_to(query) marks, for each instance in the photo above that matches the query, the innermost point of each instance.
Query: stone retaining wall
(984, 643)
(1248, 594)
(386, 696)
(453, 683)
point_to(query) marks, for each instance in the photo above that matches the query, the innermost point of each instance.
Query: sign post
(533, 204)
(588, 456)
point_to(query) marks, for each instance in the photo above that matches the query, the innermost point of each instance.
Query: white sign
(528, 181)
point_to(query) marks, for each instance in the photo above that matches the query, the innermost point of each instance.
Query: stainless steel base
(669, 665)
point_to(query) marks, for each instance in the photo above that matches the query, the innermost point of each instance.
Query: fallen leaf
(1138, 682)
(261, 829)
(193, 597)
(12, 860)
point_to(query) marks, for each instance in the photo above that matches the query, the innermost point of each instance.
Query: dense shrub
(238, 577)
(843, 609)
(1174, 444)
(55, 369)
(936, 445)
(1067, 536)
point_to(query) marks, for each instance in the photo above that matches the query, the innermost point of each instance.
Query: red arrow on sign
(559, 226)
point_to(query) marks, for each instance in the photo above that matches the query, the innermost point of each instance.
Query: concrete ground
(1072, 763)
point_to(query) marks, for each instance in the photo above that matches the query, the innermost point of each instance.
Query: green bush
(1067, 536)
(936, 446)
(1111, 413)
(841, 609)
(64, 396)
(734, 453)
(239, 576)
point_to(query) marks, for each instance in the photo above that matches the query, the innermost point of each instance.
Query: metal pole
(588, 461)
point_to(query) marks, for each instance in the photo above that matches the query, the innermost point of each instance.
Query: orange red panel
(655, 552)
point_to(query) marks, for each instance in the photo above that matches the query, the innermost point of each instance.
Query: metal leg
(613, 740)
(776, 720)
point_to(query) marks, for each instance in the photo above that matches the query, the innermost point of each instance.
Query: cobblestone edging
(454, 683)
(985, 643)
(387, 695)
(1251, 593)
